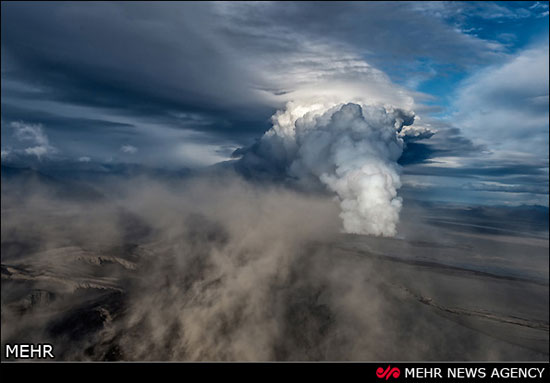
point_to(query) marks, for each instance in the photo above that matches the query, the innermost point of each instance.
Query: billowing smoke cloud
(352, 149)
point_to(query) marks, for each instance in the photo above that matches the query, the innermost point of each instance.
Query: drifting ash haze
(214, 267)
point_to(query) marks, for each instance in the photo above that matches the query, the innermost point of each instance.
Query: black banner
(372, 371)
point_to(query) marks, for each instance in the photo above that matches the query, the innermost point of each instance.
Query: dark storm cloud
(112, 53)
(56, 122)
(358, 22)
(416, 153)
(460, 163)
(149, 61)
(525, 173)
(448, 141)
(159, 59)
(497, 187)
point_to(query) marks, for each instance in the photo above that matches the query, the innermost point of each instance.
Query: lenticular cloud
(350, 148)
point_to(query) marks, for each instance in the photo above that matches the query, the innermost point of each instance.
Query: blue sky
(175, 85)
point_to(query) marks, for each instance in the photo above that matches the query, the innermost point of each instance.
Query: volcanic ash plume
(352, 149)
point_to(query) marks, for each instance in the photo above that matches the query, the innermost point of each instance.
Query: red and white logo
(389, 372)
